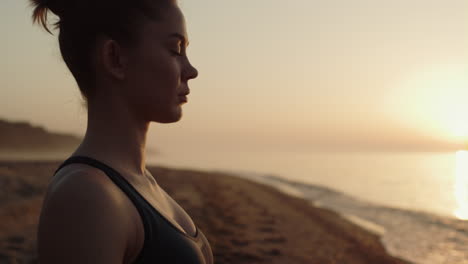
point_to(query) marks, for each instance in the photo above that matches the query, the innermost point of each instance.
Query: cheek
(154, 84)
(157, 74)
(166, 74)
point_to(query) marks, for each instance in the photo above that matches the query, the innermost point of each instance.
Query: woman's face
(159, 70)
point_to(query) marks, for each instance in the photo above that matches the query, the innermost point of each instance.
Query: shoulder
(80, 190)
(84, 219)
(77, 182)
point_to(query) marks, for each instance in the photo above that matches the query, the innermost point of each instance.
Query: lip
(183, 98)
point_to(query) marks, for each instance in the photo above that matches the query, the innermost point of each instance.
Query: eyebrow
(181, 37)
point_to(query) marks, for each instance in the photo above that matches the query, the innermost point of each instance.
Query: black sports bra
(163, 243)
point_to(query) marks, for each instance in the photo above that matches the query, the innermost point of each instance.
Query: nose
(190, 72)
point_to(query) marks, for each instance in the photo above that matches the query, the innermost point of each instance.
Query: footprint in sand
(231, 206)
(238, 242)
(224, 231)
(268, 221)
(230, 218)
(15, 243)
(246, 256)
(239, 225)
(272, 252)
(275, 240)
(266, 229)
(14, 248)
(15, 240)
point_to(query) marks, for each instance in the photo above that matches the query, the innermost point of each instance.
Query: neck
(115, 137)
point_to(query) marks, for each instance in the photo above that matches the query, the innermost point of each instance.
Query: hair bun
(56, 6)
(42, 6)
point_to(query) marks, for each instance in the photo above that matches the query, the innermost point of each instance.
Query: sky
(299, 75)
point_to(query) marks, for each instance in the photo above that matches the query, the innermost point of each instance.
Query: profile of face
(158, 70)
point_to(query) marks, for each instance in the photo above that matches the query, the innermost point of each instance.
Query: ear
(113, 58)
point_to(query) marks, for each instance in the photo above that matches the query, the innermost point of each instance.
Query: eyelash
(178, 51)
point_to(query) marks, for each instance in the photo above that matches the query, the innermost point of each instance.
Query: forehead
(171, 25)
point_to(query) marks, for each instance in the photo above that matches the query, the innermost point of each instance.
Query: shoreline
(245, 222)
(416, 236)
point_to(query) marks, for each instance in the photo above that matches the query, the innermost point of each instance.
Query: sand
(244, 221)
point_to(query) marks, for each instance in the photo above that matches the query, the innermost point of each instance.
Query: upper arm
(83, 220)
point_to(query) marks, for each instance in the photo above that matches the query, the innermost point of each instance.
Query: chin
(172, 117)
(167, 121)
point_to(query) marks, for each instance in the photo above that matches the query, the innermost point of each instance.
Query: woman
(102, 206)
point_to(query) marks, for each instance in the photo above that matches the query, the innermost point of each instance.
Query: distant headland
(25, 137)
(21, 140)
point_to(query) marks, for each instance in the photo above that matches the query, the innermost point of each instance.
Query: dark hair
(81, 21)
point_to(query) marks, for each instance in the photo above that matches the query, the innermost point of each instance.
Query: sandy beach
(244, 221)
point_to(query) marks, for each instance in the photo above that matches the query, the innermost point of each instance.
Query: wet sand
(244, 221)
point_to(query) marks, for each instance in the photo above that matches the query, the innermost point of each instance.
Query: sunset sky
(285, 75)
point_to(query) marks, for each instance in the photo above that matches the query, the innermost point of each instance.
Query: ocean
(416, 202)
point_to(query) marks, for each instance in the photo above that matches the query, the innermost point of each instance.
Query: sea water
(416, 202)
(416, 181)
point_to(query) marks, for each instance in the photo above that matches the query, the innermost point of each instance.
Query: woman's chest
(167, 221)
(169, 209)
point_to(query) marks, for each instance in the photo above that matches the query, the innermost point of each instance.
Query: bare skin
(85, 217)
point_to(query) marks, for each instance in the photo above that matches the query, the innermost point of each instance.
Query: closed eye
(176, 48)
(182, 43)
(177, 53)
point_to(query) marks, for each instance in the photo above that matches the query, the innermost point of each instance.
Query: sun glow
(435, 100)
(448, 94)
(461, 184)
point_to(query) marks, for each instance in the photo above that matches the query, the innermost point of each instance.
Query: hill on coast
(23, 136)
